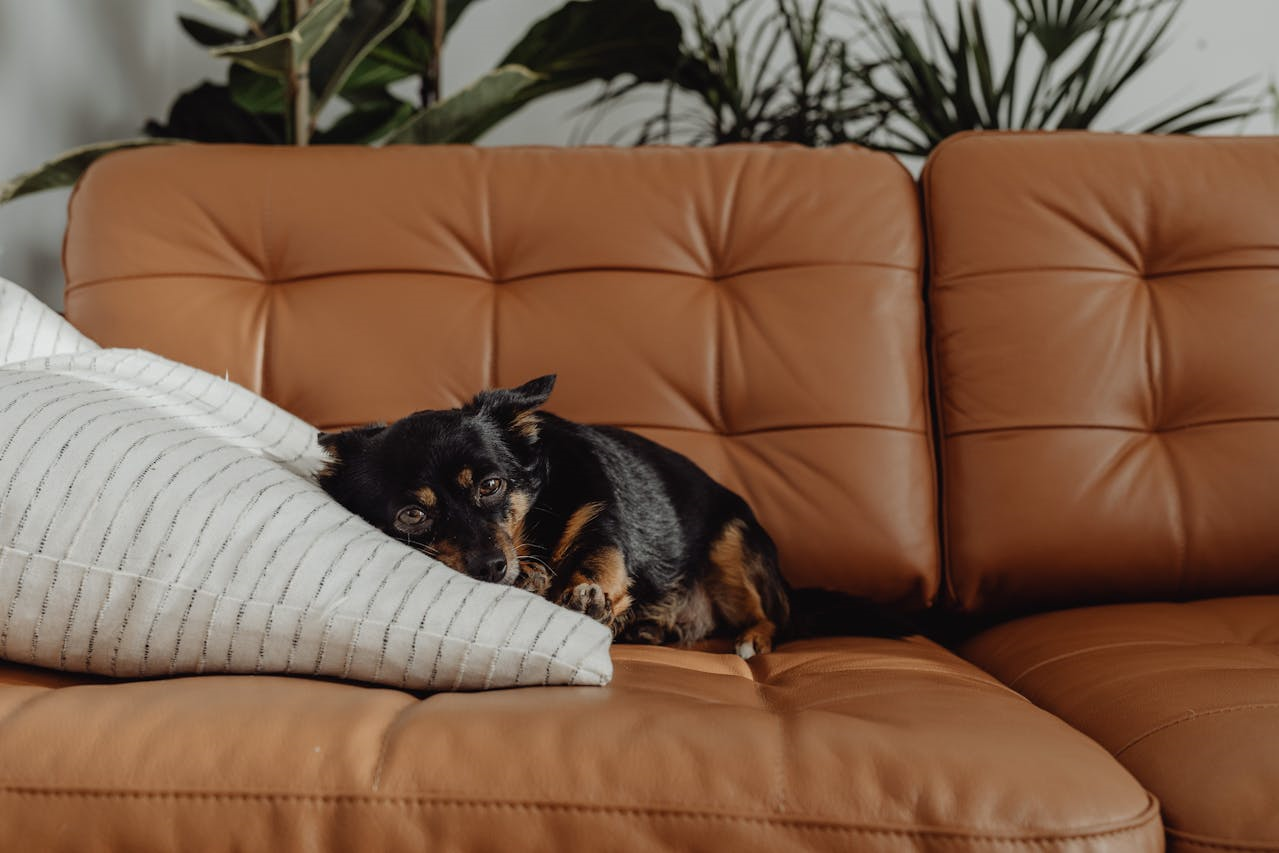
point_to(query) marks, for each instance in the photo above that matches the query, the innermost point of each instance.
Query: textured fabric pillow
(156, 519)
(29, 328)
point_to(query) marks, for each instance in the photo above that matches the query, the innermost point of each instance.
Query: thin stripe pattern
(156, 520)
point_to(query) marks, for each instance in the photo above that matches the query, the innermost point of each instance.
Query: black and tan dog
(598, 519)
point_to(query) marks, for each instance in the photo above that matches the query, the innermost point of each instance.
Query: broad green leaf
(208, 113)
(260, 94)
(65, 169)
(590, 40)
(378, 70)
(406, 52)
(280, 53)
(465, 115)
(369, 23)
(367, 123)
(240, 8)
(207, 34)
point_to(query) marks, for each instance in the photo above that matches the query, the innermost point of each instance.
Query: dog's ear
(516, 408)
(344, 445)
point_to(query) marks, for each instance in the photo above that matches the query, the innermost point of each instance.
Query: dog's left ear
(342, 446)
(516, 408)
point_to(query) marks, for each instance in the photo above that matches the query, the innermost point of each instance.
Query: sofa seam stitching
(1015, 680)
(1190, 717)
(1140, 821)
(128, 278)
(1202, 841)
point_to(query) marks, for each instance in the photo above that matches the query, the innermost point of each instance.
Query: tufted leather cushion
(1106, 312)
(758, 309)
(845, 744)
(1185, 695)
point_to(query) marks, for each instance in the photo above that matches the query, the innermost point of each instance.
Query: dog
(597, 519)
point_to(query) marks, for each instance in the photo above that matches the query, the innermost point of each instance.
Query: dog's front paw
(534, 579)
(589, 599)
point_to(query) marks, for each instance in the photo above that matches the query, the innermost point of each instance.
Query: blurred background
(74, 72)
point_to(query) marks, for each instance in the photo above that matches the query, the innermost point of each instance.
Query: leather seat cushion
(1104, 309)
(756, 308)
(1185, 695)
(848, 743)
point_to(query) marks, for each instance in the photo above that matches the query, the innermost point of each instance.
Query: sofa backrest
(758, 309)
(1106, 338)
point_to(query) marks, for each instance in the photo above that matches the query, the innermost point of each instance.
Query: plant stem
(431, 80)
(300, 86)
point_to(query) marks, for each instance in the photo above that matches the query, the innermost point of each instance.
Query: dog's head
(455, 484)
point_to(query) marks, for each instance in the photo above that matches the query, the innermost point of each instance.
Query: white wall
(78, 71)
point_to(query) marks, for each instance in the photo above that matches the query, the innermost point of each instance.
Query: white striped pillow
(156, 519)
(29, 328)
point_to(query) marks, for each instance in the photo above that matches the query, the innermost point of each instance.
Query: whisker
(532, 559)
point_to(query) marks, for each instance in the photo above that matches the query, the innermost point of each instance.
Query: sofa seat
(1185, 695)
(845, 743)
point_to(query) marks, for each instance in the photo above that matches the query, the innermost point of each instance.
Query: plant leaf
(370, 22)
(277, 54)
(208, 113)
(260, 94)
(65, 169)
(240, 8)
(583, 40)
(1189, 119)
(367, 123)
(207, 34)
(591, 40)
(465, 115)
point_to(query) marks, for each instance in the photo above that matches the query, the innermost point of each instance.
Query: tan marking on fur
(447, 552)
(527, 424)
(607, 569)
(533, 577)
(734, 594)
(465, 478)
(426, 495)
(516, 509)
(581, 517)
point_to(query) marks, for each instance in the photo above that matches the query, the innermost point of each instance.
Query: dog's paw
(534, 579)
(756, 640)
(589, 599)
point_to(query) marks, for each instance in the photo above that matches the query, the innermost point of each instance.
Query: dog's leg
(598, 585)
(735, 571)
(597, 582)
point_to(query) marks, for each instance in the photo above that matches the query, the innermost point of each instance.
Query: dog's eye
(410, 516)
(490, 487)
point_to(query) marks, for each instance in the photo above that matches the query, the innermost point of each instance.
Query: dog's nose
(493, 570)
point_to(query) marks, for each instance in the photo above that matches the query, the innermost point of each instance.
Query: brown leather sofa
(1074, 410)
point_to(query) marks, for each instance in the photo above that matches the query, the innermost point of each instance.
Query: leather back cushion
(758, 309)
(1106, 315)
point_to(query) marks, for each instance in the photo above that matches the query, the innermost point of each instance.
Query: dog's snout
(491, 569)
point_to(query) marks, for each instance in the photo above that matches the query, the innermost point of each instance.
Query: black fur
(666, 554)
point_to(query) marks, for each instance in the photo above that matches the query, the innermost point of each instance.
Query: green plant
(773, 70)
(335, 71)
(1076, 54)
(757, 76)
